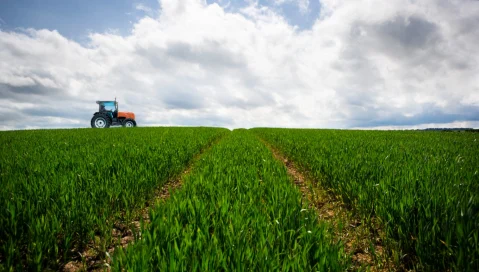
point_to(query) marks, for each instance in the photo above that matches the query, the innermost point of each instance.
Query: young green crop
(236, 211)
(424, 186)
(61, 188)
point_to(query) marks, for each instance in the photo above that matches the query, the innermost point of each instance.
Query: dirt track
(94, 260)
(355, 236)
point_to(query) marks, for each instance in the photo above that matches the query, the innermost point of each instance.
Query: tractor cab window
(109, 106)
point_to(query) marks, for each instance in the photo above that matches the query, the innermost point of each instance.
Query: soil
(93, 259)
(358, 239)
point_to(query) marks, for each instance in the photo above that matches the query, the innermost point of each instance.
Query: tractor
(108, 115)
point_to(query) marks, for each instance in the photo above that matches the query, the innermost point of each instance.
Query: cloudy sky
(241, 63)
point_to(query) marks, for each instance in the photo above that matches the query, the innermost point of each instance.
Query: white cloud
(143, 7)
(363, 64)
(457, 124)
(303, 5)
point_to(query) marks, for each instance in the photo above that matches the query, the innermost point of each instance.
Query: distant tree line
(453, 129)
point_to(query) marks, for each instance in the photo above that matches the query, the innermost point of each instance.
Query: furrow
(237, 211)
(125, 233)
(362, 243)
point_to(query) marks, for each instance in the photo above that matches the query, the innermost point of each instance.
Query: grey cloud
(357, 98)
(292, 111)
(182, 99)
(21, 119)
(468, 25)
(244, 104)
(35, 105)
(156, 56)
(11, 116)
(412, 40)
(28, 93)
(361, 82)
(62, 111)
(409, 32)
(428, 115)
(209, 54)
(213, 59)
(199, 118)
(255, 98)
(415, 46)
(15, 50)
(216, 61)
(461, 64)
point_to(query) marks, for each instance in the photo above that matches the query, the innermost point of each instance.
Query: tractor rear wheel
(129, 123)
(100, 121)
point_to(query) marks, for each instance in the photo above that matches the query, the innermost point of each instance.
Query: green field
(61, 188)
(423, 186)
(237, 208)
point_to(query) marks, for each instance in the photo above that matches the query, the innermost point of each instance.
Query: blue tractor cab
(109, 107)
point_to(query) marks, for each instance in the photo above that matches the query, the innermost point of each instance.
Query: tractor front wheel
(129, 123)
(100, 121)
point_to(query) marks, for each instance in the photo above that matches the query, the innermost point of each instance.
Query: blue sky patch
(289, 10)
(75, 19)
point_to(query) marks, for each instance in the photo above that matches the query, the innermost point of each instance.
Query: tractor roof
(101, 102)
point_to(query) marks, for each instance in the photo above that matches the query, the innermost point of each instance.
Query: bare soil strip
(93, 259)
(363, 242)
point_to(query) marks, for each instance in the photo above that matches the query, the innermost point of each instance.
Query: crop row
(236, 211)
(61, 188)
(422, 186)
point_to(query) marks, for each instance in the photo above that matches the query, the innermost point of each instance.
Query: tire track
(93, 259)
(361, 241)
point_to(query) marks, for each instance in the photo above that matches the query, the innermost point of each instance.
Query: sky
(368, 64)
